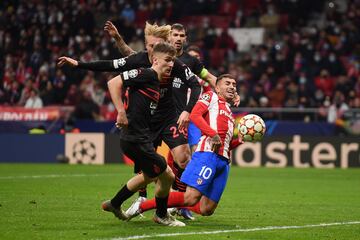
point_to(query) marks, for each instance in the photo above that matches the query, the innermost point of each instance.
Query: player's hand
(67, 61)
(216, 143)
(121, 120)
(183, 121)
(111, 29)
(236, 100)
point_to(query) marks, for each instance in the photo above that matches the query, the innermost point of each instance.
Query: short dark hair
(165, 47)
(193, 48)
(178, 26)
(224, 76)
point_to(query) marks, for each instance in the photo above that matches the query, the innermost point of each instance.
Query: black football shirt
(140, 97)
(166, 107)
(180, 89)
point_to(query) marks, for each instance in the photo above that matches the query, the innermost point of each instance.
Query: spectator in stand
(334, 65)
(98, 94)
(12, 95)
(277, 95)
(128, 13)
(336, 113)
(325, 82)
(25, 92)
(34, 100)
(72, 97)
(243, 92)
(225, 41)
(297, 43)
(291, 97)
(270, 19)
(47, 94)
(87, 108)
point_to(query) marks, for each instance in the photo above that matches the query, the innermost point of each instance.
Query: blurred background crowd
(309, 57)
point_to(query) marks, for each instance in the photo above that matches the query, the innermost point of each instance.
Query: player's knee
(207, 211)
(183, 159)
(182, 155)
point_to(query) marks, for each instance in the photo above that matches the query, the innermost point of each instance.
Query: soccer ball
(251, 128)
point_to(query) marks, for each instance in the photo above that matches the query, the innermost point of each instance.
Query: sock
(161, 206)
(143, 192)
(177, 184)
(147, 205)
(175, 199)
(121, 196)
(195, 208)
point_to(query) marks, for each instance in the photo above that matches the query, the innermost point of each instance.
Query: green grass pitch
(53, 201)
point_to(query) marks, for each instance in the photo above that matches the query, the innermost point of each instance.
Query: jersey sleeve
(235, 142)
(198, 113)
(183, 72)
(138, 77)
(120, 64)
(197, 67)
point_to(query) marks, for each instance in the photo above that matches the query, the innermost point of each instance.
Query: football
(251, 128)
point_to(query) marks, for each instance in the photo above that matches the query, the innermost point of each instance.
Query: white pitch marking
(235, 230)
(55, 176)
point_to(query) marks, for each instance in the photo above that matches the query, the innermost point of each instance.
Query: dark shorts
(145, 158)
(167, 131)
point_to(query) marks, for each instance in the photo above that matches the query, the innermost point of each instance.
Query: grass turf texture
(63, 202)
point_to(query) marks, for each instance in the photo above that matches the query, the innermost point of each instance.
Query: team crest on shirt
(199, 181)
(205, 97)
(188, 73)
(133, 73)
(121, 61)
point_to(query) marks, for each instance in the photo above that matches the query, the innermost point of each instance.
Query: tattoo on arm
(124, 49)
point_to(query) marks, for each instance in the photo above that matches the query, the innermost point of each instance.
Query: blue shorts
(194, 134)
(208, 173)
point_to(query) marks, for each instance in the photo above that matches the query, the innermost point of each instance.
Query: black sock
(177, 184)
(121, 196)
(143, 192)
(161, 206)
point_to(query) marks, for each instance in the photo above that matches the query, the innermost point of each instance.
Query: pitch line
(235, 230)
(56, 176)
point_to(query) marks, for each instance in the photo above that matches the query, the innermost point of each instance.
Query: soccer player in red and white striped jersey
(207, 172)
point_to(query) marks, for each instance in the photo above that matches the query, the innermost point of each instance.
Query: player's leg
(209, 201)
(181, 155)
(142, 154)
(207, 173)
(142, 191)
(180, 152)
(199, 175)
(162, 190)
(155, 166)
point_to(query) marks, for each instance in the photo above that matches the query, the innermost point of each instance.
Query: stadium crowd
(309, 58)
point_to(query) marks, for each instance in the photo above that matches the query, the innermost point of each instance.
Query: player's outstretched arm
(100, 65)
(124, 49)
(115, 86)
(67, 61)
(210, 79)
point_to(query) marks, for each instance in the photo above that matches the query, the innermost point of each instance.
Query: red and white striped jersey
(212, 114)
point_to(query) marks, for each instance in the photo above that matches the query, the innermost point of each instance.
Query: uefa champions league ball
(251, 128)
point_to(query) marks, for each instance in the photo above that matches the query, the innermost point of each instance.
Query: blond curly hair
(155, 30)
